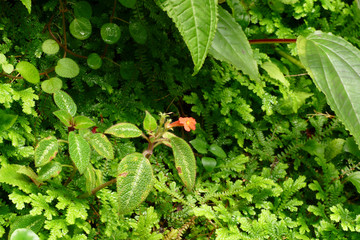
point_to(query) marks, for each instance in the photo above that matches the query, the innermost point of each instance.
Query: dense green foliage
(82, 81)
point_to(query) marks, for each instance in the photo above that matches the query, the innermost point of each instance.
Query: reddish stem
(271, 41)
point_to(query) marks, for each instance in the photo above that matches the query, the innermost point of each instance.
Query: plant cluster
(92, 93)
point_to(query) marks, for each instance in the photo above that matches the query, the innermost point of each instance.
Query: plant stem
(290, 58)
(98, 188)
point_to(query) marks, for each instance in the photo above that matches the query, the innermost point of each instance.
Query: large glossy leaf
(134, 181)
(184, 159)
(79, 151)
(102, 145)
(231, 45)
(333, 63)
(45, 151)
(196, 21)
(124, 130)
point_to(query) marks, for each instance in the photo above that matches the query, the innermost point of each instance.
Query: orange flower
(188, 123)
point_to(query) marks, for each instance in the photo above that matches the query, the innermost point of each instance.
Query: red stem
(271, 41)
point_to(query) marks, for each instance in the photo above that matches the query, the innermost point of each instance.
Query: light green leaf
(273, 70)
(24, 234)
(45, 151)
(52, 85)
(354, 178)
(28, 171)
(124, 130)
(27, 4)
(2, 58)
(334, 148)
(65, 102)
(50, 170)
(8, 68)
(184, 159)
(67, 68)
(93, 178)
(50, 46)
(33, 223)
(149, 122)
(231, 45)
(200, 145)
(134, 181)
(332, 63)
(79, 151)
(102, 145)
(64, 116)
(80, 28)
(196, 21)
(28, 71)
(81, 122)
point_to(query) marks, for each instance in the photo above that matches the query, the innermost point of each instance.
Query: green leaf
(124, 130)
(196, 21)
(128, 3)
(24, 234)
(334, 148)
(200, 145)
(217, 151)
(50, 46)
(93, 178)
(64, 116)
(138, 32)
(94, 61)
(354, 178)
(27, 4)
(28, 171)
(33, 223)
(79, 151)
(81, 122)
(67, 68)
(6, 120)
(110, 33)
(184, 159)
(45, 151)
(134, 181)
(351, 147)
(332, 63)
(273, 70)
(149, 122)
(102, 145)
(28, 71)
(2, 58)
(50, 170)
(208, 163)
(8, 68)
(52, 85)
(65, 102)
(82, 9)
(81, 28)
(231, 45)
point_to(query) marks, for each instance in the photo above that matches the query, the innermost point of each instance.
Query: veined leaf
(28, 171)
(102, 145)
(65, 102)
(333, 64)
(184, 159)
(196, 21)
(124, 130)
(231, 45)
(93, 178)
(79, 151)
(67, 68)
(45, 151)
(81, 122)
(149, 122)
(6, 120)
(52, 85)
(50, 170)
(64, 116)
(24, 234)
(134, 181)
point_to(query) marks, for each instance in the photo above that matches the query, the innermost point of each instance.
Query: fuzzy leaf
(24, 234)
(196, 21)
(124, 130)
(231, 45)
(64, 116)
(67, 68)
(65, 102)
(52, 85)
(79, 151)
(45, 151)
(28, 71)
(50, 170)
(93, 178)
(102, 145)
(149, 122)
(332, 62)
(184, 159)
(134, 181)
(50, 46)
(81, 122)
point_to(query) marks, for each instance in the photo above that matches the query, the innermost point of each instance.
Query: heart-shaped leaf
(45, 151)
(28, 71)
(79, 151)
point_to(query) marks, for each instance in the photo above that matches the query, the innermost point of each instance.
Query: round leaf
(138, 32)
(128, 3)
(50, 46)
(124, 130)
(208, 163)
(52, 85)
(8, 68)
(94, 61)
(80, 28)
(67, 68)
(24, 234)
(82, 9)
(65, 102)
(110, 33)
(28, 71)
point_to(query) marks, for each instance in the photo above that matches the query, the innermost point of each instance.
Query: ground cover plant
(179, 119)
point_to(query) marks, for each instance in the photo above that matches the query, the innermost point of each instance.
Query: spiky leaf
(65, 102)
(79, 151)
(184, 159)
(45, 151)
(134, 181)
(124, 130)
(102, 145)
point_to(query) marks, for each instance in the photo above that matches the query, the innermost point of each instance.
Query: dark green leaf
(81, 28)
(217, 151)
(208, 163)
(128, 3)
(94, 61)
(354, 178)
(200, 145)
(82, 9)
(138, 32)
(110, 33)
(6, 120)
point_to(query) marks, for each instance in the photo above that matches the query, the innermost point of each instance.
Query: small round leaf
(50, 46)
(82, 9)
(94, 61)
(28, 71)
(8, 68)
(24, 234)
(138, 32)
(52, 85)
(80, 28)
(110, 33)
(67, 68)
